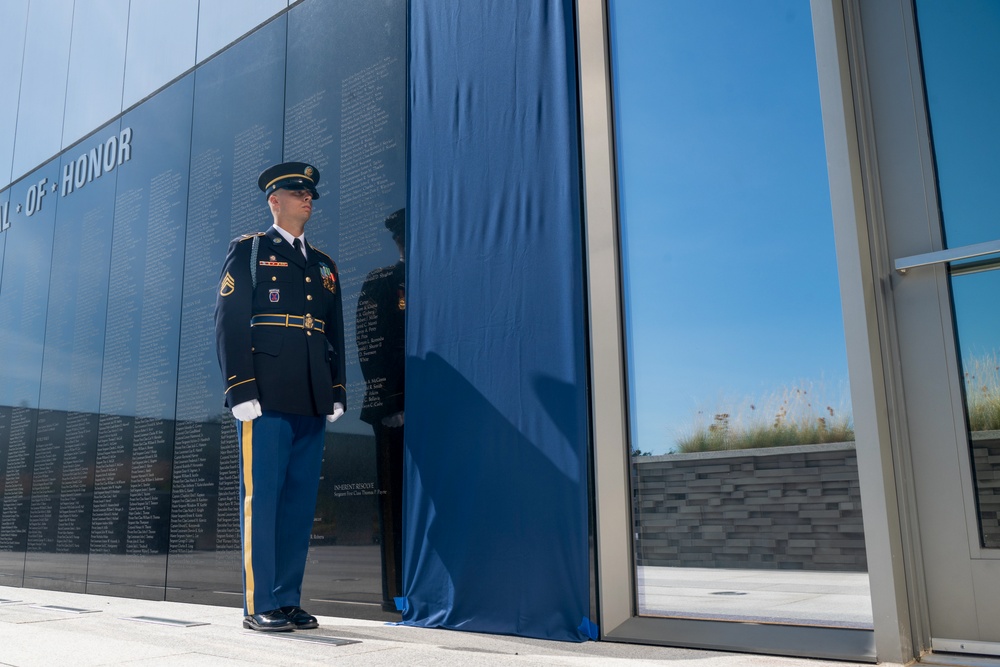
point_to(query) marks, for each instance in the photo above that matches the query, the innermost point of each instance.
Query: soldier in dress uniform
(380, 320)
(280, 338)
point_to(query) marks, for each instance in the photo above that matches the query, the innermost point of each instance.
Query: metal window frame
(835, 24)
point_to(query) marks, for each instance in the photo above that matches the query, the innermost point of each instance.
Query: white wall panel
(96, 66)
(13, 19)
(162, 44)
(43, 83)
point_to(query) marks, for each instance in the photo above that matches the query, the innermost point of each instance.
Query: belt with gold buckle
(309, 323)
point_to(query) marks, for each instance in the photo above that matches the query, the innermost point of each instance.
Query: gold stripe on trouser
(247, 446)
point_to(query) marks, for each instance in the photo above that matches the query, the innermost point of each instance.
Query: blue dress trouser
(281, 456)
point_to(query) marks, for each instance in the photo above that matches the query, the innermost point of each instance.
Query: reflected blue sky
(961, 58)
(731, 287)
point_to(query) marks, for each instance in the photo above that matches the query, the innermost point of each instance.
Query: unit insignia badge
(274, 295)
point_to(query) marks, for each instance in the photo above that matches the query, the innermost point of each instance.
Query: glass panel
(96, 66)
(13, 19)
(162, 42)
(960, 45)
(745, 482)
(977, 325)
(43, 83)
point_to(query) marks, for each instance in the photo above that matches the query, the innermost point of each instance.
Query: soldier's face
(294, 204)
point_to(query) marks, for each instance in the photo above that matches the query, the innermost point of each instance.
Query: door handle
(903, 264)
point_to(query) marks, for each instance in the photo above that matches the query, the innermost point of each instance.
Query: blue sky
(732, 292)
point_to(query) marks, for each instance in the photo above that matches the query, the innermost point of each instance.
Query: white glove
(393, 421)
(247, 410)
(338, 412)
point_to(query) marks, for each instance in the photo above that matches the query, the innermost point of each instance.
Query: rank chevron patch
(228, 285)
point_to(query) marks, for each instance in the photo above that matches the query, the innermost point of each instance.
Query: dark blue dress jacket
(281, 342)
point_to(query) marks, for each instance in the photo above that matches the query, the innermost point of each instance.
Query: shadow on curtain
(496, 520)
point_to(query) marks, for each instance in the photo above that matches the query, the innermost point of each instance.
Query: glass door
(909, 99)
(745, 523)
(957, 470)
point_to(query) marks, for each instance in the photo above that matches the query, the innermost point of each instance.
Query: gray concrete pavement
(840, 599)
(40, 628)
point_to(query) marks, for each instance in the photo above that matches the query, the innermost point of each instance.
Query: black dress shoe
(300, 618)
(268, 621)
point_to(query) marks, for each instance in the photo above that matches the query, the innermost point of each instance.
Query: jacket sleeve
(233, 305)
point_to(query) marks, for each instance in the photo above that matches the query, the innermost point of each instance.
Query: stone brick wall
(986, 460)
(794, 508)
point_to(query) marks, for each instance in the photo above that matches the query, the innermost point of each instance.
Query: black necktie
(297, 244)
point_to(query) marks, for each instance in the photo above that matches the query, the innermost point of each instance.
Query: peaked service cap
(396, 222)
(289, 176)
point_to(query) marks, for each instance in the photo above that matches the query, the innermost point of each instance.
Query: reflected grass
(800, 415)
(784, 418)
(982, 392)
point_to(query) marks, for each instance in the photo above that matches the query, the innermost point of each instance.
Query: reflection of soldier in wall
(380, 337)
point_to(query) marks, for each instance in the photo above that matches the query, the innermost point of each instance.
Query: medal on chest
(329, 280)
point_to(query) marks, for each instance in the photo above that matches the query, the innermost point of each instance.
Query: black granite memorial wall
(118, 461)
(24, 294)
(348, 119)
(69, 399)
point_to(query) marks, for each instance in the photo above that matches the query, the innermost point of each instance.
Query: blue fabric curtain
(496, 511)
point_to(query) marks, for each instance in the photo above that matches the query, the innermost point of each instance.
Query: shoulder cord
(253, 261)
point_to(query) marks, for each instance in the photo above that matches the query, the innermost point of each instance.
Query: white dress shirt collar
(288, 237)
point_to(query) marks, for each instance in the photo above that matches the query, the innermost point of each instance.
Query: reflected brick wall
(986, 460)
(784, 508)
